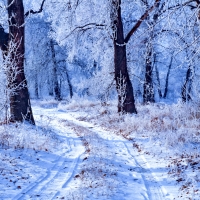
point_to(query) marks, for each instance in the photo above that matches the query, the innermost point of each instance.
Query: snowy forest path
(132, 171)
(93, 164)
(58, 172)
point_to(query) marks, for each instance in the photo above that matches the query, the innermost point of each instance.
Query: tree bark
(70, 85)
(148, 94)
(36, 85)
(157, 76)
(120, 61)
(20, 107)
(121, 71)
(167, 79)
(4, 38)
(55, 77)
(185, 92)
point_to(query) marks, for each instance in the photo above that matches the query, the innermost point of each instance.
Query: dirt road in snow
(105, 167)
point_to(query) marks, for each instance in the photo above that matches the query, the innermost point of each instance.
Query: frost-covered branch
(86, 26)
(35, 12)
(179, 5)
(142, 18)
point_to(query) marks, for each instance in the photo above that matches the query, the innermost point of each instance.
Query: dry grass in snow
(25, 136)
(176, 123)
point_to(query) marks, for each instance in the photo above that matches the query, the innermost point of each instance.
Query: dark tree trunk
(4, 39)
(148, 94)
(128, 104)
(120, 61)
(20, 107)
(69, 84)
(167, 79)
(157, 76)
(36, 86)
(57, 91)
(50, 87)
(187, 86)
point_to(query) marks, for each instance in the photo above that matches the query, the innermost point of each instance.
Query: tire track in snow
(153, 188)
(69, 177)
(42, 179)
(60, 180)
(56, 178)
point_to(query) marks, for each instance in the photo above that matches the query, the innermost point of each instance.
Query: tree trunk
(4, 38)
(157, 76)
(148, 94)
(167, 79)
(69, 84)
(126, 101)
(20, 107)
(36, 85)
(185, 93)
(57, 91)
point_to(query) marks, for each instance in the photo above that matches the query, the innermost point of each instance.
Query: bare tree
(20, 107)
(56, 86)
(120, 60)
(148, 94)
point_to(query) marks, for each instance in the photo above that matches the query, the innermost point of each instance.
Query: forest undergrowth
(23, 136)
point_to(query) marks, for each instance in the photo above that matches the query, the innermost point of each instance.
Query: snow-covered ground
(86, 151)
